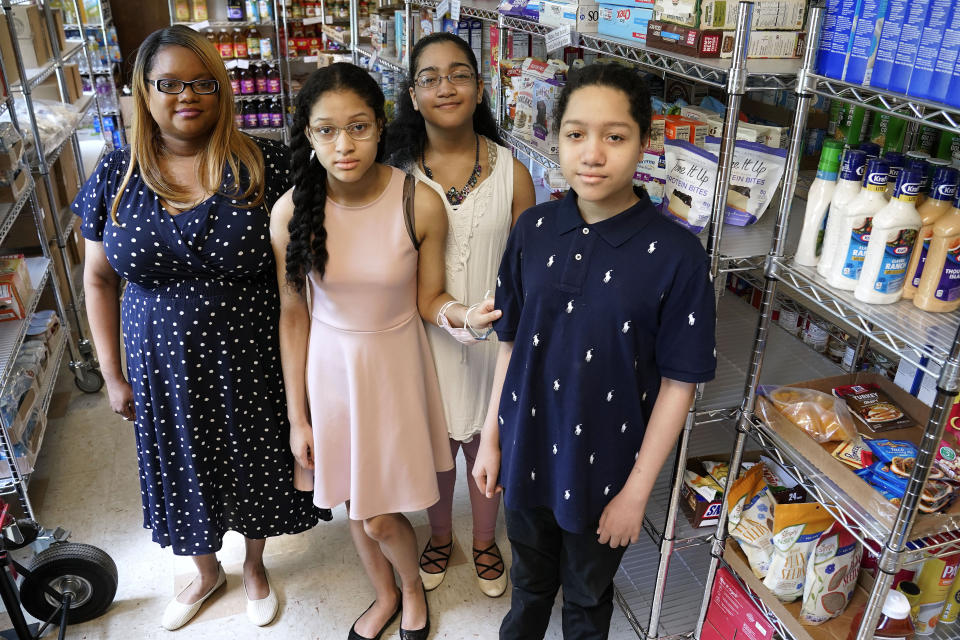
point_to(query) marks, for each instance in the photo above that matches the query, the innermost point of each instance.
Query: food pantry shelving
(14, 477)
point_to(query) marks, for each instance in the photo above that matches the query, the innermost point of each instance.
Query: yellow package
(796, 530)
(751, 519)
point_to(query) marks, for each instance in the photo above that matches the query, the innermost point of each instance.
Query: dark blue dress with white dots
(199, 318)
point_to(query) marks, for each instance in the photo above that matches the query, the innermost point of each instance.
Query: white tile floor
(86, 480)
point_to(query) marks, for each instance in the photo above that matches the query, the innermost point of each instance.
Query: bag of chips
(751, 519)
(796, 530)
(831, 577)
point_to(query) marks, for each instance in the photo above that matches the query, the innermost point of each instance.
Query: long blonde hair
(225, 146)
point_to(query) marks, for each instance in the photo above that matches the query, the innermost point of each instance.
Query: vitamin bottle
(942, 192)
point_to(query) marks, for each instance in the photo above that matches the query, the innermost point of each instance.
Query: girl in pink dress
(367, 424)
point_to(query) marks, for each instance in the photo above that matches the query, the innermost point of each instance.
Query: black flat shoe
(418, 634)
(353, 635)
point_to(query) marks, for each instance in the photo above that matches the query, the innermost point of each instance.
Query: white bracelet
(442, 314)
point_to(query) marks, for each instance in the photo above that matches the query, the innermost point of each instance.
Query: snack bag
(796, 530)
(825, 418)
(755, 176)
(707, 487)
(831, 576)
(691, 178)
(718, 471)
(751, 519)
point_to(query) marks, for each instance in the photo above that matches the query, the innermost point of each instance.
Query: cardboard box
(681, 128)
(27, 403)
(629, 23)
(12, 298)
(582, 18)
(637, 4)
(657, 133)
(12, 190)
(699, 43)
(16, 264)
(58, 29)
(732, 613)
(10, 158)
(74, 81)
(883, 511)
(67, 176)
(76, 245)
(767, 44)
(722, 14)
(32, 33)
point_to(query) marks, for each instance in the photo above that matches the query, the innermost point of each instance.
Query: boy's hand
(621, 520)
(486, 469)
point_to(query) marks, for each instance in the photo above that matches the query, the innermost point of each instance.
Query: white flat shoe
(432, 580)
(491, 587)
(178, 614)
(262, 612)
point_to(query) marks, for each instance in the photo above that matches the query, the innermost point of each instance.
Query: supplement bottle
(892, 237)
(852, 170)
(853, 227)
(942, 192)
(818, 205)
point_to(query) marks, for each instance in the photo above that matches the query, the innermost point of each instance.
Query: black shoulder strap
(409, 185)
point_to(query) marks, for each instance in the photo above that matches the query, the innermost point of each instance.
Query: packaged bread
(751, 519)
(796, 530)
(824, 417)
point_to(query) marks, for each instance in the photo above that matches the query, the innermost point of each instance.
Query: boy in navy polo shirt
(608, 324)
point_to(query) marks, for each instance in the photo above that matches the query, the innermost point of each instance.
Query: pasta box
(699, 43)
(704, 513)
(627, 22)
(582, 18)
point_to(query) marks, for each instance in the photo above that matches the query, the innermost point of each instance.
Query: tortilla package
(691, 178)
(831, 578)
(751, 519)
(754, 177)
(796, 530)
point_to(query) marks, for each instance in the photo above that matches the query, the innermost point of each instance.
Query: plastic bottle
(939, 288)
(273, 80)
(918, 160)
(253, 10)
(235, 10)
(892, 238)
(853, 231)
(199, 10)
(276, 114)
(225, 44)
(266, 47)
(852, 170)
(872, 149)
(253, 43)
(263, 113)
(259, 79)
(238, 114)
(266, 10)
(240, 50)
(951, 610)
(894, 622)
(895, 160)
(942, 192)
(251, 116)
(247, 84)
(211, 37)
(818, 204)
(234, 82)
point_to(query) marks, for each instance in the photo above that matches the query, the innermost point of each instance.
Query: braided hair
(307, 248)
(407, 134)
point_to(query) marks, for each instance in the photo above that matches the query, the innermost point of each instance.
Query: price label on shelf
(230, 64)
(313, 20)
(559, 38)
(200, 26)
(243, 64)
(311, 58)
(443, 8)
(455, 10)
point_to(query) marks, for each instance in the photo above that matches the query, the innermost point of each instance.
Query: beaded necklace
(454, 196)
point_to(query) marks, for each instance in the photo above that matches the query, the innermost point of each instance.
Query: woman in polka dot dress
(182, 216)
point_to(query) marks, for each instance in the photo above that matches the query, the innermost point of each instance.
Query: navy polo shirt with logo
(597, 314)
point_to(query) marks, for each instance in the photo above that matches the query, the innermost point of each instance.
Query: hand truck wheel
(88, 380)
(84, 570)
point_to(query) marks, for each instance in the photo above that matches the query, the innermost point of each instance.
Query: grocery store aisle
(86, 480)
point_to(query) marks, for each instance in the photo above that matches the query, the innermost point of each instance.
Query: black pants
(545, 557)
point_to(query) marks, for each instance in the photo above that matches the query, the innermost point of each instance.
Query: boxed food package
(12, 298)
(529, 9)
(872, 501)
(16, 264)
(721, 14)
(582, 18)
(629, 23)
(646, 4)
(732, 615)
(681, 128)
(528, 111)
(546, 92)
(657, 133)
(767, 44)
(699, 43)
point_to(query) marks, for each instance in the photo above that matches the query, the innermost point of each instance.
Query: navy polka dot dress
(199, 318)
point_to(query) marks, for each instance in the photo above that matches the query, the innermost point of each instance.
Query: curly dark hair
(407, 133)
(307, 248)
(614, 76)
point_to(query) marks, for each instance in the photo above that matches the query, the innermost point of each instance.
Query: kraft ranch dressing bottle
(853, 230)
(894, 232)
(851, 177)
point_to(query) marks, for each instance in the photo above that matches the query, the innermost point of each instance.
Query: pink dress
(378, 425)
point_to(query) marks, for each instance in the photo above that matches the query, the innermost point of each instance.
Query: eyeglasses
(200, 87)
(356, 130)
(432, 80)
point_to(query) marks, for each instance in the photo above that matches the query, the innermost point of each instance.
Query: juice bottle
(894, 623)
(263, 113)
(253, 43)
(852, 169)
(251, 116)
(238, 114)
(893, 235)
(942, 192)
(259, 79)
(212, 38)
(247, 85)
(225, 44)
(234, 82)
(273, 80)
(266, 47)
(240, 45)
(181, 10)
(235, 10)
(818, 204)
(276, 114)
(939, 288)
(853, 228)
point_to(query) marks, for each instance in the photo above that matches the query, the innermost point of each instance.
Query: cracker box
(629, 23)
(582, 18)
(767, 44)
(699, 43)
